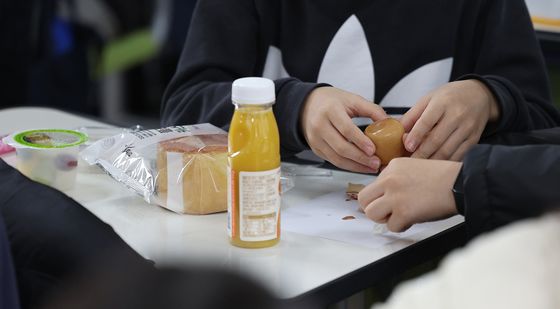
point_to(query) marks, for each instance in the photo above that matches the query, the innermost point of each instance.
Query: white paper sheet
(323, 217)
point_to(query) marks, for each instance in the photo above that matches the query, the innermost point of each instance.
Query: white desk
(300, 265)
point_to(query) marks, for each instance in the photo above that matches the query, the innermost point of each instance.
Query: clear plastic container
(48, 156)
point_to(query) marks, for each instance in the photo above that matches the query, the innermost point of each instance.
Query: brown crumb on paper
(349, 218)
(353, 190)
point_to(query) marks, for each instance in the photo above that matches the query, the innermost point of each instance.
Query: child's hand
(326, 122)
(446, 123)
(411, 191)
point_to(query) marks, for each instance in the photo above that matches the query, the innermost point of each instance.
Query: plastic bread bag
(181, 168)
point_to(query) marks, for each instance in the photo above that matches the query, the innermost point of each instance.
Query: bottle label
(259, 205)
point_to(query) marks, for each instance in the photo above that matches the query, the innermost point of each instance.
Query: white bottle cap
(253, 90)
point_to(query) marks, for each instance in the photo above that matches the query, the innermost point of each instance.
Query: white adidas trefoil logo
(348, 65)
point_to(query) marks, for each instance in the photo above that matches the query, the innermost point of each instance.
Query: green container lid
(49, 138)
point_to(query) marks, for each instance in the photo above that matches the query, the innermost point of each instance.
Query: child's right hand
(326, 122)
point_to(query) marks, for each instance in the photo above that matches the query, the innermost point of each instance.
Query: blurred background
(112, 59)
(105, 58)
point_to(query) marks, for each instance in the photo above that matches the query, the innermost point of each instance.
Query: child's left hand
(447, 122)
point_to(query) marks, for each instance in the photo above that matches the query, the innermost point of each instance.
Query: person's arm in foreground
(9, 297)
(501, 184)
(513, 267)
(52, 237)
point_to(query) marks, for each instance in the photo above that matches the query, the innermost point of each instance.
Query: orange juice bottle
(254, 166)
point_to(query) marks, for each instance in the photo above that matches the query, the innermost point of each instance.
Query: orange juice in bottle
(254, 166)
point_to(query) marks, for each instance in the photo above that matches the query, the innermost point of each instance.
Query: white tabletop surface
(297, 265)
(547, 28)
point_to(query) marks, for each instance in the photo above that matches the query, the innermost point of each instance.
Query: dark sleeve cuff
(504, 184)
(291, 94)
(506, 96)
(477, 209)
(459, 193)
